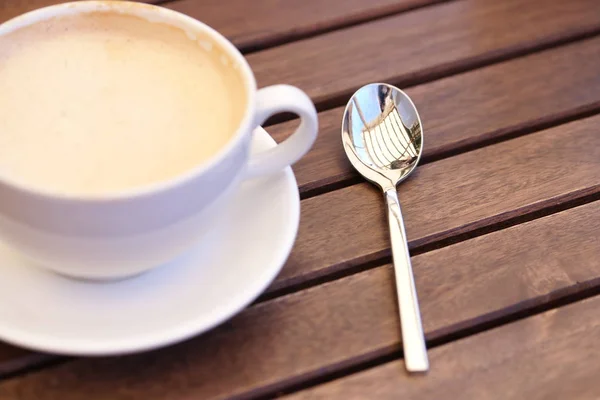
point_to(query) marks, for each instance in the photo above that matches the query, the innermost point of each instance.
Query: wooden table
(502, 214)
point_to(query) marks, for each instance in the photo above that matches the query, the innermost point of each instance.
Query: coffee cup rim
(170, 17)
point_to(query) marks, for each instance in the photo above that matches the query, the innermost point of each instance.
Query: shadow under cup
(123, 234)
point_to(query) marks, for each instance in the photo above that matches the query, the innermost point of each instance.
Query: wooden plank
(421, 44)
(348, 227)
(304, 335)
(270, 22)
(551, 356)
(13, 8)
(474, 107)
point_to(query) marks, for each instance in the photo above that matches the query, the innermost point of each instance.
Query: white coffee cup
(124, 234)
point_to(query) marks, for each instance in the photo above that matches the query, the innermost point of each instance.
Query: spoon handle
(415, 352)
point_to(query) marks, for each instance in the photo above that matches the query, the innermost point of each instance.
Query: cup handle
(274, 100)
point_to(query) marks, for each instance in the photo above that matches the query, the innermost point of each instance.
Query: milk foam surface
(102, 102)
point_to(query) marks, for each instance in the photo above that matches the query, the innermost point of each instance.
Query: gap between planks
(550, 121)
(451, 69)
(587, 196)
(351, 21)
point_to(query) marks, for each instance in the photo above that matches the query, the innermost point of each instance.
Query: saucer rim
(187, 329)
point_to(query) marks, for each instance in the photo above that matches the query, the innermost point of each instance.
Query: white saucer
(239, 259)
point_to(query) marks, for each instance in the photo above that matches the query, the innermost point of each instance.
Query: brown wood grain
(348, 227)
(553, 355)
(473, 107)
(323, 329)
(13, 8)
(251, 25)
(421, 44)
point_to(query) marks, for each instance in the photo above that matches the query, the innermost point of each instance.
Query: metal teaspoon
(383, 138)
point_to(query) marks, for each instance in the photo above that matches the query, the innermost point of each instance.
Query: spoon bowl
(383, 139)
(382, 134)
